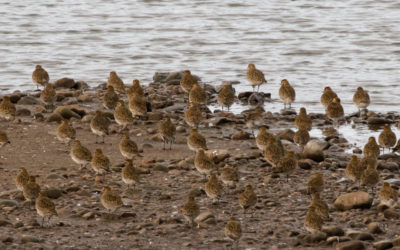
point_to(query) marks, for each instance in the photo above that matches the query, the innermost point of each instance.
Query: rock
(357, 235)
(246, 95)
(14, 98)
(67, 113)
(54, 176)
(305, 164)
(350, 245)
(287, 112)
(6, 239)
(55, 117)
(396, 241)
(160, 168)
(336, 239)
(286, 134)
(23, 112)
(204, 216)
(8, 203)
(156, 137)
(240, 135)
(5, 223)
(88, 215)
(65, 82)
(378, 120)
(390, 213)
(359, 199)
(18, 224)
(81, 85)
(383, 244)
(333, 230)
(256, 99)
(53, 193)
(28, 238)
(315, 237)
(374, 228)
(29, 100)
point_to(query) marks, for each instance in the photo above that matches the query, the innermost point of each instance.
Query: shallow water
(343, 43)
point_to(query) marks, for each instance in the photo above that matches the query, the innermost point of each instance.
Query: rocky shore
(150, 217)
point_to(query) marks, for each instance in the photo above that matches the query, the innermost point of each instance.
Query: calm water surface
(343, 43)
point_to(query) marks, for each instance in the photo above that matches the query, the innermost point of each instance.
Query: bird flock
(361, 171)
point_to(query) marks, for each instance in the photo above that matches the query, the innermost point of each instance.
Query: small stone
(156, 137)
(359, 199)
(8, 203)
(64, 83)
(5, 223)
(19, 224)
(374, 228)
(305, 164)
(396, 241)
(350, 245)
(286, 134)
(88, 215)
(315, 237)
(160, 168)
(23, 112)
(240, 135)
(383, 244)
(357, 151)
(28, 238)
(356, 235)
(54, 176)
(53, 193)
(390, 213)
(180, 129)
(204, 216)
(55, 117)
(333, 230)
(314, 150)
(73, 188)
(336, 239)
(29, 100)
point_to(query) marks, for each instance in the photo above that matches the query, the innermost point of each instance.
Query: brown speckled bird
(301, 137)
(327, 96)
(335, 110)
(31, 189)
(254, 119)
(100, 163)
(387, 138)
(4, 139)
(315, 184)
(233, 231)
(197, 94)
(193, 115)
(7, 109)
(65, 132)
(110, 98)
(262, 138)
(388, 196)
(187, 81)
(288, 164)
(354, 169)
(255, 77)
(116, 82)
(167, 131)
(45, 207)
(313, 222)
(287, 93)
(40, 76)
(80, 154)
(137, 105)
(129, 174)
(22, 178)
(368, 160)
(196, 141)
(128, 148)
(190, 210)
(321, 208)
(226, 96)
(274, 151)
(370, 177)
(371, 149)
(136, 88)
(123, 115)
(48, 95)
(203, 163)
(361, 99)
(229, 176)
(248, 198)
(303, 121)
(110, 200)
(99, 125)
(213, 188)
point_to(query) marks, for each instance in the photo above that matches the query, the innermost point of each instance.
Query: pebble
(240, 135)
(333, 230)
(28, 238)
(8, 203)
(359, 199)
(357, 235)
(374, 228)
(383, 244)
(350, 245)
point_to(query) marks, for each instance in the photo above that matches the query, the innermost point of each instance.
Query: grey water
(313, 44)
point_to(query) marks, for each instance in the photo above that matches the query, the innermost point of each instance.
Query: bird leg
(170, 145)
(164, 144)
(42, 221)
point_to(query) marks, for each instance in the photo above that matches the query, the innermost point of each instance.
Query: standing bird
(122, 115)
(248, 198)
(196, 141)
(287, 93)
(187, 81)
(361, 99)
(99, 125)
(233, 231)
(327, 96)
(193, 115)
(31, 189)
(226, 96)
(4, 139)
(100, 163)
(301, 137)
(45, 207)
(40, 76)
(129, 174)
(203, 163)
(197, 94)
(288, 163)
(110, 98)
(371, 149)
(22, 179)
(388, 196)
(128, 148)
(136, 88)
(315, 184)
(302, 120)
(229, 176)
(65, 132)
(254, 119)
(110, 200)
(213, 188)
(335, 110)
(190, 210)
(354, 169)
(167, 131)
(137, 105)
(48, 95)
(370, 177)
(262, 138)
(255, 77)
(79, 154)
(116, 82)
(321, 208)
(7, 109)
(387, 138)
(313, 222)
(274, 151)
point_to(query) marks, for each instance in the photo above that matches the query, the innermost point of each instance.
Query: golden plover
(4, 139)
(321, 208)
(361, 99)
(110, 200)
(129, 174)
(22, 178)
(262, 138)
(335, 110)
(248, 198)
(229, 176)
(327, 96)
(313, 222)
(7, 109)
(370, 177)
(187, 81)
(116, 82)
(137, 105)
(371, 149)
(110, 98)
(193, 115)
(136, 88)
(255, 77)
(65, 132)
(123, 115)
(354, 169)
(45, 207)
(226, 96)
(254, 119)
(302, 120)
(196, 141)
(388, 196)
(315, 184)
(79, 154)
(167, 131)
(100, 163)
(197, 94)
(31, 189)
(387, 138)
(204, 164)
(40, 76)
(233, 231)
(288, 163)
(99, 125)
(274, 151)
(301, 137)
(213, 188)
(287, 93)
(128, 148)
(190, 210)
(48, 95)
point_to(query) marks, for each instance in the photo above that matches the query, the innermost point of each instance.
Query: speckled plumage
(287, 93)
(40, 76)
(248, 198)
(335, 110)
(99, 125)
(301, 137)
(136, 88)
(321, 207)
(65, 132)
(196, 141)
(116, 82)
(187, 81)
(255, 76)
(129, 174)
(229, 176)
(288, 163)
(128, 148)
(233, 230)
(190, 210)
(354, 169)
(315, 184)
(388, 196)
(371, 149)
(110, 98)
(48, 95)
(197, 94)
(370, 177)
(45, 207)
(7, 109)
(203, 163)
(213, 187)
(193, 115)
(31, 189)
(100, 163)
(80, 154)
(361, 99)
(226, 96)
(123, 115)
(167, 131)
(327, 96)
(303, 121)
(137, 105)
(387, 138)
(273, 151)
(4, 139)
(22, 178)
(313, 222)
(262, 138)
(110, 200)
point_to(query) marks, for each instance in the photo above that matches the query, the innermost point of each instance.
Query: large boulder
(314, 150)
